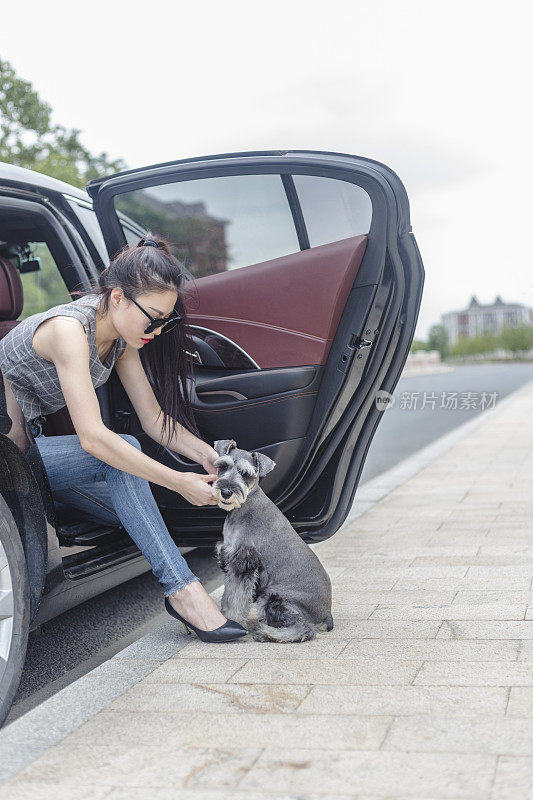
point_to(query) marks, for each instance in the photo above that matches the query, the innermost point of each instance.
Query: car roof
(25, 177)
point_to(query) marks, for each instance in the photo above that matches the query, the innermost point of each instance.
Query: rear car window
(217, 224)
(332, 209)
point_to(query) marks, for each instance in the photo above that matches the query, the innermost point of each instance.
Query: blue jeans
(110, 495)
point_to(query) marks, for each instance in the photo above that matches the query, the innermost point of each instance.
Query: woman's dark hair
(141, 268)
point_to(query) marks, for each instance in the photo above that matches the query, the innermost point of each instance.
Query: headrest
(11, 292)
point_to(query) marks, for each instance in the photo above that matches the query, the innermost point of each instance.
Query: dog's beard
(228, 503)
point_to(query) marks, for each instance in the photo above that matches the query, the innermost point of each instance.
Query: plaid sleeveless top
(33, 379)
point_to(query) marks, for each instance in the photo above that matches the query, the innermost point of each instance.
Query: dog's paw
(257, 636)
(219, 553)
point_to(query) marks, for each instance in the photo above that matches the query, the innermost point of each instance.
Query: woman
(134, 320)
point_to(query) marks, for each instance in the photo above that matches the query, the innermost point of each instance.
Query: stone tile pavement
(423, 689)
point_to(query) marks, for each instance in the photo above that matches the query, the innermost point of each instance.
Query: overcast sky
(441, 92)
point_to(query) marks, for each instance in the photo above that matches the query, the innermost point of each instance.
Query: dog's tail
(300, 632)
(283, 622)
(326, 624)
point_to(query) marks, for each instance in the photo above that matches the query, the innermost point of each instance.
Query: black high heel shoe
(225, 633)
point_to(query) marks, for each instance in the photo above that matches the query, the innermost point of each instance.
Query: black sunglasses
(167, 322)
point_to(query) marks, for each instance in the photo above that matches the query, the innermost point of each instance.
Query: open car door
(307, 287)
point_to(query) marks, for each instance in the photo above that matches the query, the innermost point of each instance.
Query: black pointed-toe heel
(225, 633)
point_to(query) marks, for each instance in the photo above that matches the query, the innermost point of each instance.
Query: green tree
(418, 344)
(28, 138)
(517, 338)
(438, 340)
(484, 343)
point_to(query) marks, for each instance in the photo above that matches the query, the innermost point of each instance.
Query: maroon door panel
(283, 312)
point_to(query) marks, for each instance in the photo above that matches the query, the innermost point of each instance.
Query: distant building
(198, 238)
(477, 319)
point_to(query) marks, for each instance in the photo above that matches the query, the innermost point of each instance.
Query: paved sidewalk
(423, 689)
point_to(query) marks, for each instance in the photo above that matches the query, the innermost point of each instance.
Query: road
(409, 426)
(80, 639)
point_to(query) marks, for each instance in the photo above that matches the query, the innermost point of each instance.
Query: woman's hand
(208, 460)
(195, 488)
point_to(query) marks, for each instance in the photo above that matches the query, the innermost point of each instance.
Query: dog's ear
(223, 446)
(263, 463)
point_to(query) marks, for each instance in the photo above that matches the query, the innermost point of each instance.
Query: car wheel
(14, 609)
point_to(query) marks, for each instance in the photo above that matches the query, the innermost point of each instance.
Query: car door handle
(195, 355)
(227, 392)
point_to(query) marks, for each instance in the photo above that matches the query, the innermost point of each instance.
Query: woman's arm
(187, 444)
(133, 378)
(70, 354)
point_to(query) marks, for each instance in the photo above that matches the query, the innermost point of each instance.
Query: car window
(217, 224)
(45, 287)
(332, 209)
(132, 236)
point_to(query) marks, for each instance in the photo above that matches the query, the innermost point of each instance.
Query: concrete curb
(27, 737)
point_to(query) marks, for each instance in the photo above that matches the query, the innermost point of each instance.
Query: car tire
(14, 609)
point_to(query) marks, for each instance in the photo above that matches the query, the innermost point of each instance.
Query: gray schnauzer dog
(274, 586)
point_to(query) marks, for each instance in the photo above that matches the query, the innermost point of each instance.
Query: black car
(306, 284)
